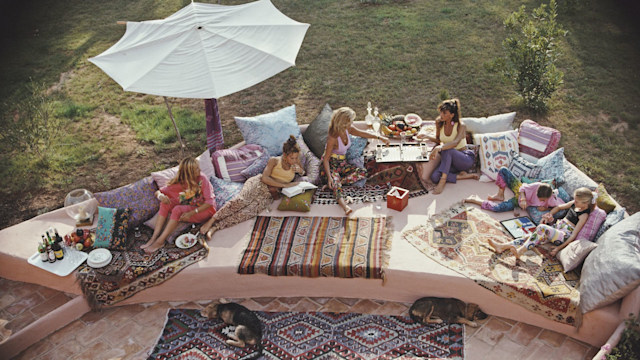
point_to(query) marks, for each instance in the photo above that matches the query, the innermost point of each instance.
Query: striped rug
(317, 246)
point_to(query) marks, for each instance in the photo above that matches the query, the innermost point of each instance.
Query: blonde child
(564, 231)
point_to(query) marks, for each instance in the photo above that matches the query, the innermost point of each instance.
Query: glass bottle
(42, 249)
(368, 119)
(50, 253)
(57, 250)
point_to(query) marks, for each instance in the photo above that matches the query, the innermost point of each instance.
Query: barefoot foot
(463, 175)
(472, 200)
(153, 247)
(496, 197)
(148, 243)
(348, 210)
(515, 252)
(499, 248)
(439, 188)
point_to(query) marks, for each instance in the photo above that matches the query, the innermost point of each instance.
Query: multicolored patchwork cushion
(112, 228)
(224, 190)
(138, 197)
(229, 163)
(300, 202)
(310, 163)
(537, 140)
(495, 151)
(269, 130)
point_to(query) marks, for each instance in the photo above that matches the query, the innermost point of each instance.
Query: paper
(298, 188)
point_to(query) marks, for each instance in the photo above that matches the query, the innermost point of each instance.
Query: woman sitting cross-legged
(188, 197)
(335, 168)
(256, 193)
(564, 231)
(455, 159)
(536, 194)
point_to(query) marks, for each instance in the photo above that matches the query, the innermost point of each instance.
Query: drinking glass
(376, 126)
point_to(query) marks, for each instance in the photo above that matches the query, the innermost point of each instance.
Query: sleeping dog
(248, 327)
(433, 310)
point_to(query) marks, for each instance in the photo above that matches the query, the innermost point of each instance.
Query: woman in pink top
(188, 197)
(334, 162)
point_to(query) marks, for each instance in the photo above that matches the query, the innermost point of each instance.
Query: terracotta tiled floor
(130, 332)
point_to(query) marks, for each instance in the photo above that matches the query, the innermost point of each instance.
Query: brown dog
(433, 310)
(248, 327)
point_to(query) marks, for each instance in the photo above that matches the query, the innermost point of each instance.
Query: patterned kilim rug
(457, 238)
(317, 246)
(357, 195)
(130, 272)
(289, 335)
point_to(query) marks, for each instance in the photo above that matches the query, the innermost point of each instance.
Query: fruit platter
(82, 239)
(396, 126)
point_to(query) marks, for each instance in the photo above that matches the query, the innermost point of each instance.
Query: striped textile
(537, 140)
(317, 246)
(215, 139)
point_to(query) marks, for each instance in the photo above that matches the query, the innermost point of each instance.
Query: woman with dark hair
(256, 194)
(455, 158)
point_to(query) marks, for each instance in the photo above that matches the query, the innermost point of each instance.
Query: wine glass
(376, 126)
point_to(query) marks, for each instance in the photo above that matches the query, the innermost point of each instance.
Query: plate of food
(413, 120)
(186, 241)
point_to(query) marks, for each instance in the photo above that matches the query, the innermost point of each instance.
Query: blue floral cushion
(270, 130)
(224, 190)
(356, 150)
(550, 167)
(257, 167)
(138, 197)
(612, 218)
(112, 228)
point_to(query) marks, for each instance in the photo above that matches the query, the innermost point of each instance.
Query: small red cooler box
(397, 198)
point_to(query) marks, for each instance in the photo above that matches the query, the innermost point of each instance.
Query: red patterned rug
(315, 335)
(457, 238)
(317, 246)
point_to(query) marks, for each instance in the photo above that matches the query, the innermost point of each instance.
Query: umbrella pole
(175, 127)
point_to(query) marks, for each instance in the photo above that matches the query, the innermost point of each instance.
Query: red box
(399, 201)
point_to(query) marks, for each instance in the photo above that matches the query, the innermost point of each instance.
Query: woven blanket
(457, 238)
(357, 195)
(132, 271)
(290, 335)
(317, 246)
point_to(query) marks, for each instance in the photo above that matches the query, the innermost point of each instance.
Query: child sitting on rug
(565, 230)
(536, 194)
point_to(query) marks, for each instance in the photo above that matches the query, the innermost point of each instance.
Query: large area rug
(317, 246)
(133, 271)
(358, 195)
(457, 238)
(290, 335)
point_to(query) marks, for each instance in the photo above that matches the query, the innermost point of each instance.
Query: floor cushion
(139, 197)
(550, 167)
(491, 124)
(257, 167)
(315, 136)
(495, 152)
(300, 202)
(537, 140)
(590, 228)
(269, 130)
(613, 218)
(310, 163)
(111, 232)
(229, 163)
(604, 200)
(573, 254)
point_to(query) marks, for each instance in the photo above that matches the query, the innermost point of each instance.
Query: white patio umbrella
(204, 51)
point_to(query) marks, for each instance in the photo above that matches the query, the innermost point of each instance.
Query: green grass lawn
(400, 55)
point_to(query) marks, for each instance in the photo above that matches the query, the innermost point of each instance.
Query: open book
(298, 189)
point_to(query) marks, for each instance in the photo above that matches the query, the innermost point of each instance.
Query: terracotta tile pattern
(130, 332)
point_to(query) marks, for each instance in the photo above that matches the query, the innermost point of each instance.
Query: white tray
(63, 267)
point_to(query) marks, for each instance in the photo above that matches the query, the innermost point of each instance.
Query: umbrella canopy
(204, 51)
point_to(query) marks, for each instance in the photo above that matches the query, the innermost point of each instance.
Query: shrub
(531, 54)
(629, 345)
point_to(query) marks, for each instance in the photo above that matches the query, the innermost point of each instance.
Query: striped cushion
(229, 163)
(591, 227)
(537, 140)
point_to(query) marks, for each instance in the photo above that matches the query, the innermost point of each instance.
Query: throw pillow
(612, 269)
(138, 197)
(475, 168)
(163, 177)
(574, 178)
(491, 124)
(495, 151)
(229, 163)
(270, 130)
(310, 163)
(590, 228)
(613, 218)
(300, 202)
(605, 201)
(224, 190)
(356, 150)
(550, 167)
(257, 167)
(316, 133)
(537, 140)
(573, 254)
(519, 166)
(112, 228)
(206, 164)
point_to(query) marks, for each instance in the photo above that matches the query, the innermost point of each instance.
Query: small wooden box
(397, 198)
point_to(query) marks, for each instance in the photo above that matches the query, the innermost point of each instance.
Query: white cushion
(496, 150)
(491, 124)
(573, 254)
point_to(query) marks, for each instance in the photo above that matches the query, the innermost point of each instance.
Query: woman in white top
(455, 159)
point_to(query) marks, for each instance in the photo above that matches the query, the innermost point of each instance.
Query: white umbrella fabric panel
(204, 50)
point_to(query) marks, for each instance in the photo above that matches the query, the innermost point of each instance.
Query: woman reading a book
(258, 192)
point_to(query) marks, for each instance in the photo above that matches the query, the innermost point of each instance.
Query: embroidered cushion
(495, 151)
(537, 140)
(519, 166)
(229, 163)
(613, 218)
(591, 227)
(491, 124)
(224, 190)
(574, 253)
(112, 228)
(310, 163)
(612, 270)
(605, 201)
(316, 133)
(550, 167)
(139, 197)
(300, 202)
(269, 130)
(257, 167)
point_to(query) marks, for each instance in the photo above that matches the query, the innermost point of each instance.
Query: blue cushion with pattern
(112, 228)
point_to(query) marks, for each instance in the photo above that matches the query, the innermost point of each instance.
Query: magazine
(298, 189)
(519, 227)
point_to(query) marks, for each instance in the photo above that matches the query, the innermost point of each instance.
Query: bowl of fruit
(396, 126)
(82, 239)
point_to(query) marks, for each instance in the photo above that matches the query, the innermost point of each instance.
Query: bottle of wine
(57, 250)
(58, 237)
(42, 249)
(50, 253)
